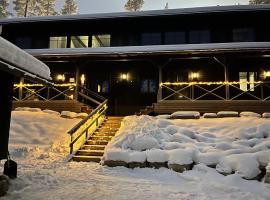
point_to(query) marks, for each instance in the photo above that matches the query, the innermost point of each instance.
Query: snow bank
(231, 145)
(227, 114)
(249, 114)
(19, 58)
(185, 115)
(209, 115)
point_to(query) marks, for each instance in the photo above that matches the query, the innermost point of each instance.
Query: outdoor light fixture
(61, 77)
(124, 76)
(194, 75)
(82, 79)
(266, 74)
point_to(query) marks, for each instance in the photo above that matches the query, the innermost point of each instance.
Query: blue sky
(101, 6)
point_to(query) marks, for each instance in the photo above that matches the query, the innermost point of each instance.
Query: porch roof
(181, 49)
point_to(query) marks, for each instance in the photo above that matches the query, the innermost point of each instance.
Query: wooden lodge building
(206, 59)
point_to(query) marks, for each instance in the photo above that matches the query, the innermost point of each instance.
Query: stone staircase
(93, 149)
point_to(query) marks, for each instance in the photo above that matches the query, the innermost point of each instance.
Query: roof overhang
(155, 50)
(139, 14)
(16, 71)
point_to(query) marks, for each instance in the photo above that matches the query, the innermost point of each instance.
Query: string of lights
(209, 83)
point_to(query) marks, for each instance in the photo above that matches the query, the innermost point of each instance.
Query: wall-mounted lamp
(82, 79)
(124, 77)
(194, 75)
(266, 74)
(61, 77)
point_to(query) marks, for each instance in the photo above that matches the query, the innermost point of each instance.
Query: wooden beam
(6, 90)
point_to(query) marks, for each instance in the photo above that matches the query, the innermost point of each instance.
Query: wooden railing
(214, 91)
(86, 127)
(82, 131)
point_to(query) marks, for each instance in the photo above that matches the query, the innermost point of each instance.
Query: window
(148, 86)
(199, 36)
(103, 87)
(151, 39)
(243, 35)
(101, 41)
(58, 42)
(24, 42)
(246, 81)
(79, 42)
(175, 38)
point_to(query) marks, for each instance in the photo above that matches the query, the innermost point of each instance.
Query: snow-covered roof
(154, 49)
(15, 60)
(152, 13)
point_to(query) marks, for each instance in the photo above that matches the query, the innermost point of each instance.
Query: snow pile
(249, 114)
(232, 146)
(209, 115)
(185, 115)
(19, 58)
(227, 114)
(266, 115)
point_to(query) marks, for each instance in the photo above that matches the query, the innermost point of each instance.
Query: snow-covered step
(86, 158)
(86, 152)
(97, 137)
(94, 147)
(97, 142)
(104, 134)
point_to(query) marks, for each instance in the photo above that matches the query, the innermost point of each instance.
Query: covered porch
(186, 77)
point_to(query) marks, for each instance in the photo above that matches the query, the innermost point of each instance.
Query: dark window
(199, 36)
(148, 86)
(151, 39)
(24, 42)
(102, 87)
(243, 35)
(175, 37)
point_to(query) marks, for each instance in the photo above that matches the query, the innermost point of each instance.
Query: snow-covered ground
(40, 145)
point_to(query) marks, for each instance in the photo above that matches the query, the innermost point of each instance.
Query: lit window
(247, 80)
(251, 80)
(199, 36)
(101, 41)
(79, 42)
(243, 80)
(58, 42)
(148, 86)
(243, 35)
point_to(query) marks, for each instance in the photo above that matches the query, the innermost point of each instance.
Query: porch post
(77, 79)
(6, 90)
(159, 95)
(226, 74)
(21, 88)
(226, 77)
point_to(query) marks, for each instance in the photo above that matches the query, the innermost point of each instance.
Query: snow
(209, 115)
(231, 145)
(249, 114)
(185, 114)
(183, 48)
(44, 173)
(227, 114)
(266, 115)
(19, 58)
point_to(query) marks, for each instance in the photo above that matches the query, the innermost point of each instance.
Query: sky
(101, 6)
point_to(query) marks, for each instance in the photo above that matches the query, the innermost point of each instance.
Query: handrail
(77, 126)
(80, 132)
(93, 93)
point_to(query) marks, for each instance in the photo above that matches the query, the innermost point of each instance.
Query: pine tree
(3, 8)
(134, 5)
(259, 1)
(70, 8)
(25, 8)
(47, 7)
